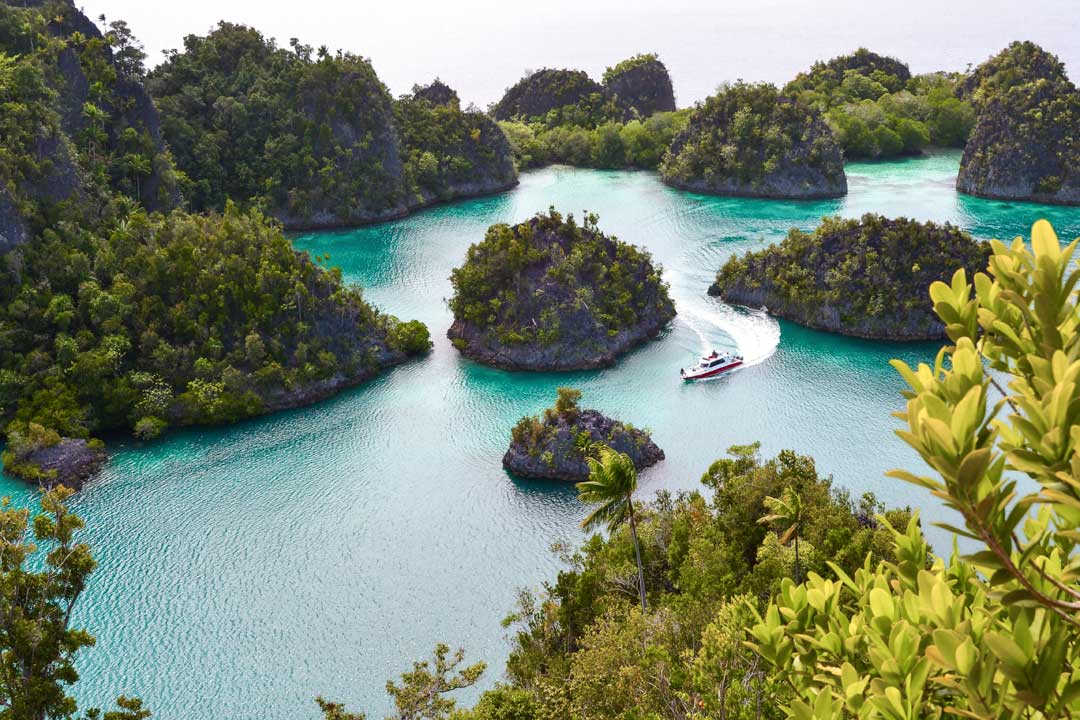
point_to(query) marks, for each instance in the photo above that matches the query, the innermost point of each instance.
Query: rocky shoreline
(475, 345)
(865, 278)
(556, 446)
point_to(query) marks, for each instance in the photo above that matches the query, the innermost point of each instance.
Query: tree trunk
(637, 553)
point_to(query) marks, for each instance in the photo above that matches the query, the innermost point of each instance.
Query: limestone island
(635, 88)
(1026, 141)
(549, 294)
(556, 446)
(748, 140)
(640, 86)
(865, 278)
(316, 138)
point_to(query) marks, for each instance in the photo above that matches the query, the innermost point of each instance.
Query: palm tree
(786, 510)
(611, 485)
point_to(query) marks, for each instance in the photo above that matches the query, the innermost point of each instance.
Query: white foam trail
(754, 333)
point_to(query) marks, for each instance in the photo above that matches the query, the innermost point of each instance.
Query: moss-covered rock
(549, 294)
(750, 141)
(1026, 141)
(556, 445)
(316, 138)
(449, 152)
(867, 278)
(40, 455)
(540, 92)
(437, 93)
(640, 86)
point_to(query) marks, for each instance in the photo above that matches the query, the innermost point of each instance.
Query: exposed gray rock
(71, 462)
(554, 448)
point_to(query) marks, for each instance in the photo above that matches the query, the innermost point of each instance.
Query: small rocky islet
(866, 278)
(552, 294)
(557, 444)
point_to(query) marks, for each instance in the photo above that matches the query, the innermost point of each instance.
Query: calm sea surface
(244, 570)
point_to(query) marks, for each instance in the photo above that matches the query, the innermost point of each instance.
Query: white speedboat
(712, 365)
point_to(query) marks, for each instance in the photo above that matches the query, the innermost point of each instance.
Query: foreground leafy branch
(994, 633)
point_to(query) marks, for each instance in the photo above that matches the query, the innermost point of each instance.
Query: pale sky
(481, 47)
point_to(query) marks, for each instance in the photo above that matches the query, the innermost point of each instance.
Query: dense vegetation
(612, 145)
(1026, 143)
(749, 140)
(312, 137)
(551, 294)
(112, 317)
(563, 116)
(557, 445)
(864, 277)
(878, 110)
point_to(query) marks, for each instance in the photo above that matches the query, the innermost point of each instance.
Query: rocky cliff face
(317, 138)
(865, 278)
(70, 462)
(60, 145)
(545, 90)
(556, 447)
(640, 86)
(1026, 141)
(437, 93)
(750, 141)
(449, 152)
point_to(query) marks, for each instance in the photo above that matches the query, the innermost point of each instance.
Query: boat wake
(754, 334)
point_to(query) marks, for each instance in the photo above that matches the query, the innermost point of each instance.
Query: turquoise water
(244, 570)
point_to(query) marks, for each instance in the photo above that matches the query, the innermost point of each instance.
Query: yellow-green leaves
(995, 633)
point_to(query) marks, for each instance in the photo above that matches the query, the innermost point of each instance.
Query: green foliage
(747, 138)
(551, 280)
(566, 404)
(993, 633)
(40, 583)
(585, 649)
(611, 145)
(630, 63)
(421, 694)
(445, 148)
(247, 120)
(878, 110)
(181, 319)
(556, 97)
(863, 277)
(411, 338)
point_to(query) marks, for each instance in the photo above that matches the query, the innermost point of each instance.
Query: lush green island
(751, 141)
(1026, 143)
(549, 294)
(557, 445)
(314, 138)
(877, 109)
(113, 317)
(564, 116)
(865, 278)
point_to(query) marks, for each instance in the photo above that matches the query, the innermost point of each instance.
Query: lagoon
(246, 569)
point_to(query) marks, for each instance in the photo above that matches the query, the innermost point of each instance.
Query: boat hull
(713, 372)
